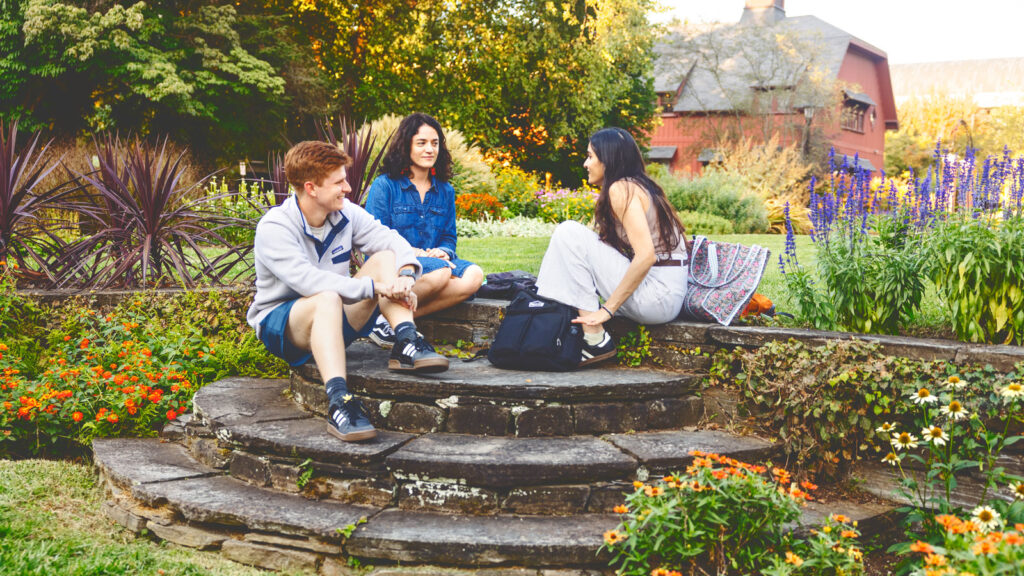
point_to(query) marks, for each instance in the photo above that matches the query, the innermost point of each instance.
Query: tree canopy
(527, 80)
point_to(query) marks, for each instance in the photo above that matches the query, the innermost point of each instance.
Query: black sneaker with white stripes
(416, 356)
(382, 335)
(349, 420)
(593, 353)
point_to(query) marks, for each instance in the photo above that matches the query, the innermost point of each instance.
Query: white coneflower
(935, 435)
(955, 410)
(886, 428)
(1012, 390)
(986, 517)
(924, 396)
(955, 383)
(891, 458)
(1017, 488)
(904, 440)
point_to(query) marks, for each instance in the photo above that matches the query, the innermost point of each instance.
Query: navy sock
(337, 389)
(405, 332)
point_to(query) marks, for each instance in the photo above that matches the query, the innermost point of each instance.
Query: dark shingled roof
(702, 91)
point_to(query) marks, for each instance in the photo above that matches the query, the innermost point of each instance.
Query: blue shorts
(431, 264)
(272, 334)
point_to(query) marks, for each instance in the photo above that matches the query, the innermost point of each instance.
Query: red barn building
(693, 94)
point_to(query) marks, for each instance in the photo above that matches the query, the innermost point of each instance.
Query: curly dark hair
(397, 161)
(619, 153)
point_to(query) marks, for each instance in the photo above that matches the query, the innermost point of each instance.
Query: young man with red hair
(307, 303)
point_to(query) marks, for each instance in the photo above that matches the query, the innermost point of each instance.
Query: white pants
(578, 268)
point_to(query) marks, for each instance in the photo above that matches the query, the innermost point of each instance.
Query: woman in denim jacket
(414, 197)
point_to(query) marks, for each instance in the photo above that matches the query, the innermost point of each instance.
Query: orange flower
(77, 416)
(922, 547)
(935, 560)
(848, 534)
(1013, 539)
(810, 486)
(154, 398)
(793, 559)
(984, 547)
(652, 491)
(620, 509)
(171, 415)
(947, 521)
(612, 537)
(638, 484)
(781, 475)
(841, 518)
(112, 418)
(84, 343)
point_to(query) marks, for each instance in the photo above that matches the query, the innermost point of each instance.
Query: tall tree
(528, 80)
(178, 68)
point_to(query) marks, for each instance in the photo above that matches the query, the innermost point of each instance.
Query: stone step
(535, 541)
(477, 398)
(510, 462)
(158, 487)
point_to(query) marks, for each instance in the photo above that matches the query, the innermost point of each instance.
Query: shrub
(831, 550)
(520, 226)
(561, 205)
(824, 402)
(247, 206)
(705, 224)
(517, 190)
(720, 513)
(877, 245)
(967, 549)
(122, 372)
(717, 193)
(149, 229)
(978, 267)
(22, 169)
(775, 174)
(477, 207)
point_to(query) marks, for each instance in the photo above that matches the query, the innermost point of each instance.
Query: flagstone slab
(225, 501)
(130, 461)
(509, 462)
(244, 401)
(403, 536)
(669, 451)
(308, 438)
(368, 374)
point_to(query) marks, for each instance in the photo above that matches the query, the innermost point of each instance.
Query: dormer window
(856, 106)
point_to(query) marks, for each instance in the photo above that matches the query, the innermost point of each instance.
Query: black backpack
(505, 285)
(537, 334)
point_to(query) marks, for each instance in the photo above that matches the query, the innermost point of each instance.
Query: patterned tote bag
(723, 277)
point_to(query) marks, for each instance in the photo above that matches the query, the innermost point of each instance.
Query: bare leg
(314, 324)
(455, 290)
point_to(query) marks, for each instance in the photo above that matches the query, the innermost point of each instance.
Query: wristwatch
(407, 273)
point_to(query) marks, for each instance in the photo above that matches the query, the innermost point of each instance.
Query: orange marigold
(620, 509)
(922, 547)
(77, 416)
(984, 547)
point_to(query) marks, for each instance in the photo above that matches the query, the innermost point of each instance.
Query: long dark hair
(397, 162)
(617, 150)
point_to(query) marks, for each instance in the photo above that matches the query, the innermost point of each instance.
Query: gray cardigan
(292, 263)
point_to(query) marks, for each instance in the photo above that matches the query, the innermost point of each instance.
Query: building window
(852, 117)
(666, 100)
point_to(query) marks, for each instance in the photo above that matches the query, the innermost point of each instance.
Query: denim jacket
(427, 224)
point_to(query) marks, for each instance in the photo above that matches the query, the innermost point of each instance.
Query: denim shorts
(431, 264)
(272, 334)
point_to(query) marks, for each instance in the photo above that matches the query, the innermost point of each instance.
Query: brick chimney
(763, 12)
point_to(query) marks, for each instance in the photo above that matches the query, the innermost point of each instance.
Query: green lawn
(51, 523)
